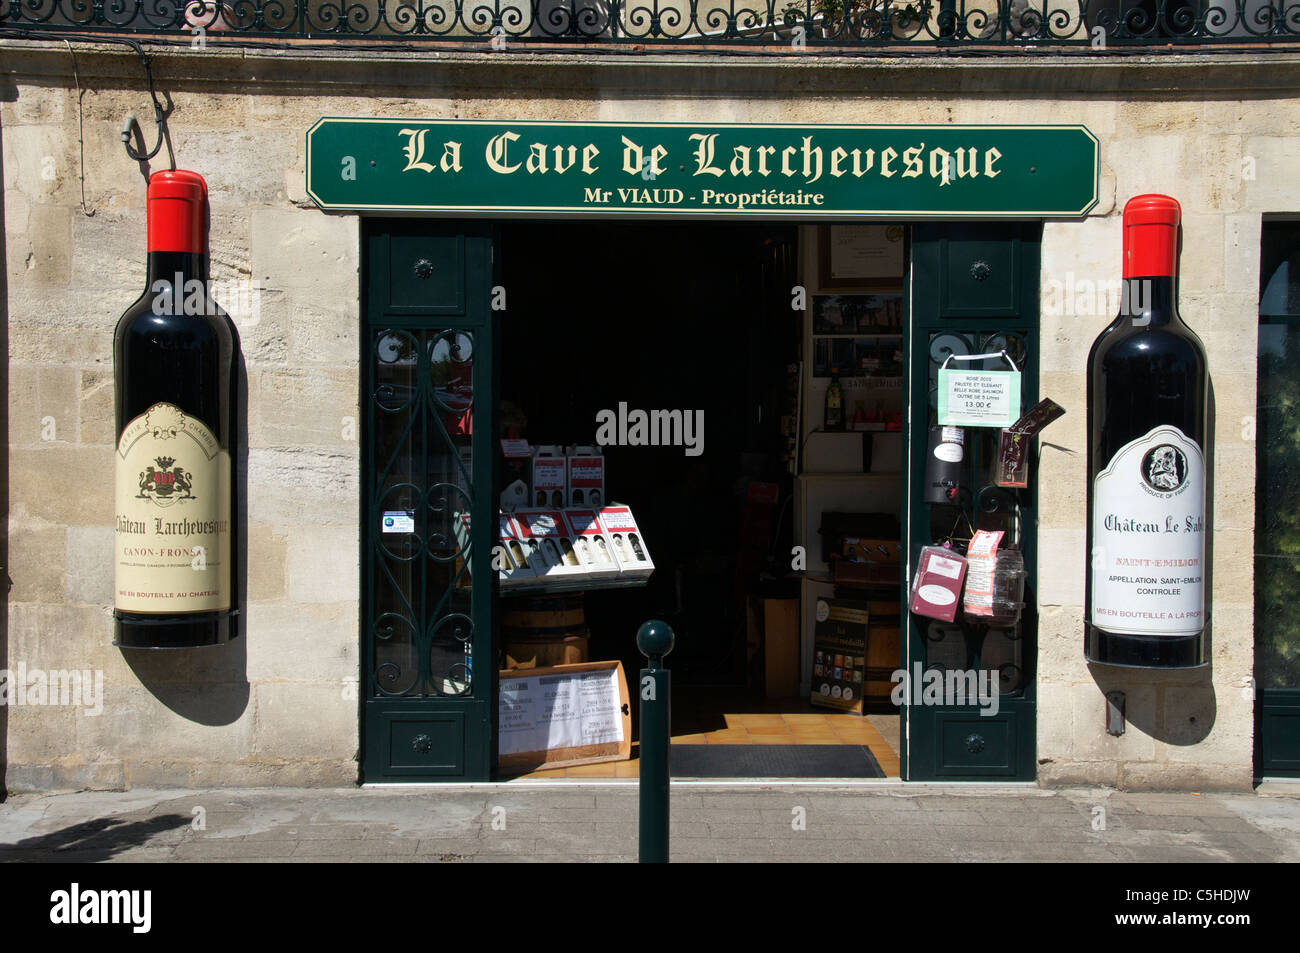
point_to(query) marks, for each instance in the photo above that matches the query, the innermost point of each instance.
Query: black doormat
(773, 761)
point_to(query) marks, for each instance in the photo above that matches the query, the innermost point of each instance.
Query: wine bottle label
(173, 515)
(1148, 537)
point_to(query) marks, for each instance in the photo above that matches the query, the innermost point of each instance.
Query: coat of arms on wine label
(165, 483)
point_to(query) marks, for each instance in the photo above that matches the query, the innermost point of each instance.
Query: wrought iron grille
(966, 644)
(773, 26)
(420, 614)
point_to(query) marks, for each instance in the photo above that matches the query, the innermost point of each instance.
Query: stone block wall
(279, 705)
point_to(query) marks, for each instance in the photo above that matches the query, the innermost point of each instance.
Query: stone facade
(279, 706)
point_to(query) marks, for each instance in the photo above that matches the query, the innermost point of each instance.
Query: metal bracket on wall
(1115, 713)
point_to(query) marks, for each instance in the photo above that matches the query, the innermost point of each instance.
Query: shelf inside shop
(571, 585)
(881, 336)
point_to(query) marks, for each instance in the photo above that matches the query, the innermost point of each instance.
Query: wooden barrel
(539, 631)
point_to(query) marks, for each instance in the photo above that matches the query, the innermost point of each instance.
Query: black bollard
(655, 640)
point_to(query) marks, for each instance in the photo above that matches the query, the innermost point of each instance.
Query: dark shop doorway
(602, 320)
(661, 317)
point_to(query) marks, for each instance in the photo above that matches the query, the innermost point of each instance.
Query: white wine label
(173, 515)
(937, 594)
(1148, 537)
(949, 452)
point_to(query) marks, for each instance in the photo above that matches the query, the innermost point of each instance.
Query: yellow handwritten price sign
(979, 398)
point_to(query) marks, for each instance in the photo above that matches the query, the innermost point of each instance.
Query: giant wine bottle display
(173, 364)
(1147, 408)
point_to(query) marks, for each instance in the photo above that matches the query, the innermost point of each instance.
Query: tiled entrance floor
(701, 718)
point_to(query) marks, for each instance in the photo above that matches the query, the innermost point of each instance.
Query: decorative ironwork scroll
(777, 26)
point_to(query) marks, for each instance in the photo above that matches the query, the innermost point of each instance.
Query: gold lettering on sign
(497, 149)
(414, 150)
(505, 153)
(704, 154)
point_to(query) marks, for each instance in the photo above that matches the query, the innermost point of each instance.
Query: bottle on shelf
(833, 420)
(859, 418)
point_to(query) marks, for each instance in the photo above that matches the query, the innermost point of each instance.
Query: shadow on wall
(1182, 721)
(209, 685)
(1188, 720)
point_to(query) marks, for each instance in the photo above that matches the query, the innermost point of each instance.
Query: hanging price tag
(978, 398)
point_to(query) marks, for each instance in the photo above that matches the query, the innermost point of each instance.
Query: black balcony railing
(769, 25)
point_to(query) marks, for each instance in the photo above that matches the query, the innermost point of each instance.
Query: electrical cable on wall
(81, 132)
(160, 111)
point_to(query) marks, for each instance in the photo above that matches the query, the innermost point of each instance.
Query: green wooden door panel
(426, 274)
(980, 279)
(974, 290)
(1278, 738)
(421, 742)
(974, 745)
(428, 420)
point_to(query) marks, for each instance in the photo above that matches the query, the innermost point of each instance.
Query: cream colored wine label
(173, 515)
(1148, 537)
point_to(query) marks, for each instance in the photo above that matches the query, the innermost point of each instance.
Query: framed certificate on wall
(861, 256)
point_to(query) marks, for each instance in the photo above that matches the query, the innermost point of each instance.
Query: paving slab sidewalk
(575, 821)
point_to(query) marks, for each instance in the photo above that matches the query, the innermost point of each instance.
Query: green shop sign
(765, 171)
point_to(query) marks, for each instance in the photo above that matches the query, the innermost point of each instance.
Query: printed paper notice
(569, 710)
(978, 398)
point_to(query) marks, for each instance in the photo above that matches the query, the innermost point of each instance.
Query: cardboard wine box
(861, 550)
(628, 542)
(545, 535)
(936, 589)
(508, 557)
(1018, 440)
(550, 477)
(514, 567)
(586, 475)
(517, 464)
(463, 539)
(868, 562)
(594, 549)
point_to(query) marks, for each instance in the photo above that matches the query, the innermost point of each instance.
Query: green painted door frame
(1277, 641)
(428, 515)
(1277, 502)
(974, 289)
(429, 360)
